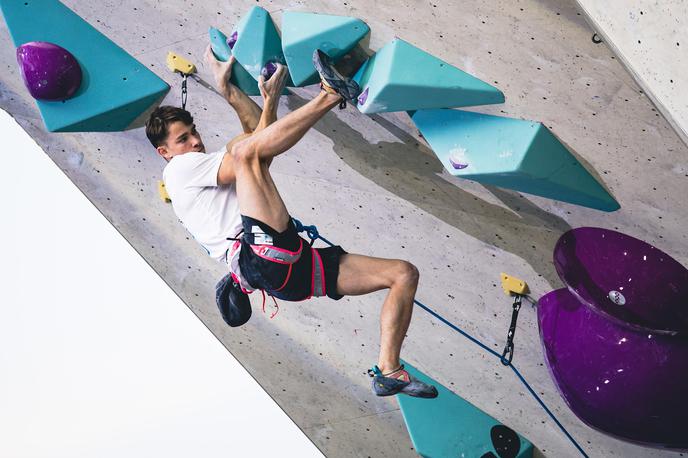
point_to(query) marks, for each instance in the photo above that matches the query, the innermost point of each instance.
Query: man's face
(182, 138)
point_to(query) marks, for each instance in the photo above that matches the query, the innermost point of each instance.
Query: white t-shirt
(210, 212)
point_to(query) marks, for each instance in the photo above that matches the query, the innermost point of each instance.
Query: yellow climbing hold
(512, 285)
(163, 192)
(177, 63)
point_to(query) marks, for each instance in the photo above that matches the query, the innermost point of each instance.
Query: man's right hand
(271, 90)
(222, 71)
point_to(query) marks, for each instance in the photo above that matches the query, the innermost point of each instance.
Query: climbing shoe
(233, 303)
(332, 81)
(399, 381)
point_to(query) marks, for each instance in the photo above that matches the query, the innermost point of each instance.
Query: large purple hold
(616, 341)
(624, 278)
(50, 72)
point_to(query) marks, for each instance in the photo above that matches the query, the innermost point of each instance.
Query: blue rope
(313, 234)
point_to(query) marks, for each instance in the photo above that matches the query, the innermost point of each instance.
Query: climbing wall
(650, 39)
(374, 185)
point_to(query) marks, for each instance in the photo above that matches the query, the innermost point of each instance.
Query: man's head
(172, 132)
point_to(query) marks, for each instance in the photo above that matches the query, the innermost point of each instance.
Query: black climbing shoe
(402, 382)
(233, 303)
(331, 79)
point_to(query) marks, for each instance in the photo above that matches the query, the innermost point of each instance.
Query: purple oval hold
(363, 97)
(624, 278)
(457, 165)
(457, 158)
(50, 72)
(598, 365)
(269, 70)
(619, 332)
(231, 41)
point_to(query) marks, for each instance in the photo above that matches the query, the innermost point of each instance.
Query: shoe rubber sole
(346, 87)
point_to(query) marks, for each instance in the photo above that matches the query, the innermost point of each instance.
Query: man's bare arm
(247, 110)
(271, 92)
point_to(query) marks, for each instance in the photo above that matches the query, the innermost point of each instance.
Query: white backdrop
(98, 357)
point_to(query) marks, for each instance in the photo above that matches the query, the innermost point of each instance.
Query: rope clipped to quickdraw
(511, 286)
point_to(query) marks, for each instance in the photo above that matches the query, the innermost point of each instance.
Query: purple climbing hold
(363, 97)
(269, 70)
(457, 165)
(616, 339)
(50, 72)
(231, 41)
(457, 158)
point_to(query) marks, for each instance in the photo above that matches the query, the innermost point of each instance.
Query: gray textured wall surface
(650, 37)
(372, 185)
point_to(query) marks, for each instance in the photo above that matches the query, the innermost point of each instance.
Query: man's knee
(406, 273)
(243, 152)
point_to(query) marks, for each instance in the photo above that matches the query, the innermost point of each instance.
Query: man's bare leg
(256, 191)
(362, 275)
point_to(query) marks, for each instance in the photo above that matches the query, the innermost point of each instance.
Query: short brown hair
(161, 118)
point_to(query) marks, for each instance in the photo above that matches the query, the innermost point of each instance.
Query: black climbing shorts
(286, 267)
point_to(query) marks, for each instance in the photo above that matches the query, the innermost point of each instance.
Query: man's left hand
(272, 88)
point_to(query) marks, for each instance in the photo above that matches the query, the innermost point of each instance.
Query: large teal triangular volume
(510, 153)
(115, 89)
(258, 42)
(449, 426)
(240, 77)
(401, 77)
(303, 33)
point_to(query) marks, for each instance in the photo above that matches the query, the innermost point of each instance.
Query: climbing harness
(262, 246)
(510, 284)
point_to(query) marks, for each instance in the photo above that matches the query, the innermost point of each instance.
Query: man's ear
(162, 151)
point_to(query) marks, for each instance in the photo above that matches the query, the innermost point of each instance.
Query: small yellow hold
(178, 64)
(163, 192)
(512, 285)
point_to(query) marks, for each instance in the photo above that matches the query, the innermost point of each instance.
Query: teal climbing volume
(116, 88)
(449, 426)
(303, 33)
(402, 77)
(510, 153)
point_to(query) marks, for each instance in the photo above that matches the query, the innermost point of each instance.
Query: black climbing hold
(505, 441)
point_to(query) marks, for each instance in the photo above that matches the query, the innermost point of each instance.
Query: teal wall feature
(303, 33)
(510, 153)
(258, 42)
(115, 89)
(402, 77)
(448, 426)
(240, 76)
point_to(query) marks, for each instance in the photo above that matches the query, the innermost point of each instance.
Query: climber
(229, 202)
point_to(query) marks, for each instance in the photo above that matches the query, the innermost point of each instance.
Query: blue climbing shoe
(399, 381)
(331, 79)
(234, 305)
